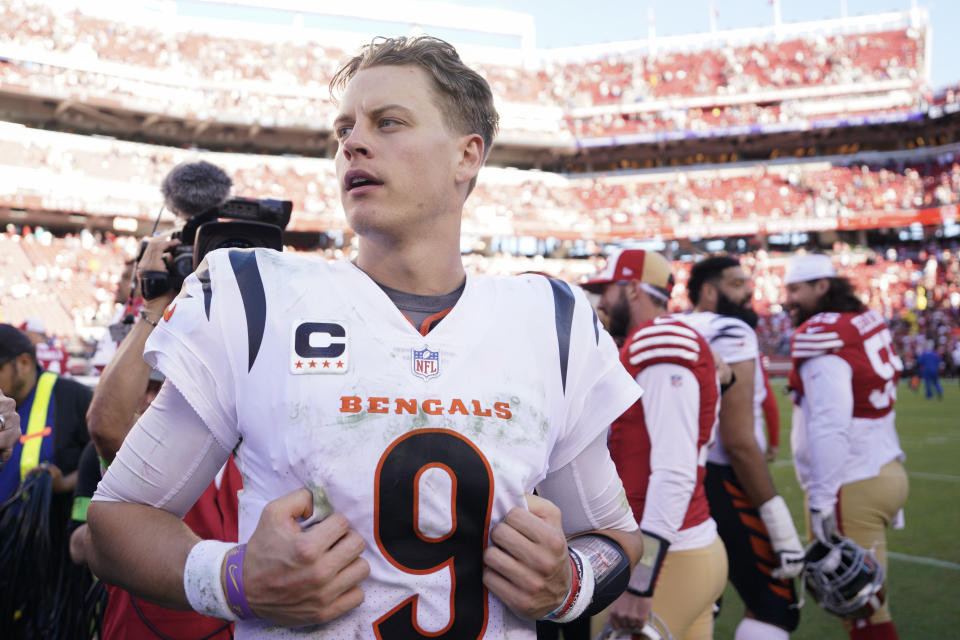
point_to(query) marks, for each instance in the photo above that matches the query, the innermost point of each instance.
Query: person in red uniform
(659, 447)
(771, 416)
(846, 451)
(51, 356)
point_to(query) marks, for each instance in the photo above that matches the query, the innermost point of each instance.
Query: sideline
(922, 475)
(933, 562)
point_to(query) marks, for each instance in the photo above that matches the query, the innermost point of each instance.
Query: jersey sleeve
(827, 414)
(816, 338)
(671, 405)
(191, 345)
(596, 386)
(734, 340)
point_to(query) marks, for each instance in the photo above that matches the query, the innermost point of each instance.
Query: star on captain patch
(426, 363)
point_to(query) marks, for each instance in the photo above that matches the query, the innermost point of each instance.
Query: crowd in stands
(93, 175)
(283, 82)
(70, 283)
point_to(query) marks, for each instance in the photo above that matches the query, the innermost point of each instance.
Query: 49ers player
(845, 446)
(660, 448)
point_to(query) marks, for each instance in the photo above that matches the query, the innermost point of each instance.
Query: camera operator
(189, 190)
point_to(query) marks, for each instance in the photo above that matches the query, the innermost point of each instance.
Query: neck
(643, 315)
(28, 386)
(423, 267)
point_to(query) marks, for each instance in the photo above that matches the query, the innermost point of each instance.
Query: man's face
(397, 162)
(614, 310)
(802, 301)
(13, 379)
(735, 295)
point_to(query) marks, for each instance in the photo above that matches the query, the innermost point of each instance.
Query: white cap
(807, 267)
(34, 324)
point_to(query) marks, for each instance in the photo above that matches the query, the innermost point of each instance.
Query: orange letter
(432, 407)
(378, 405)
(349, 404)
(503, 410)
(480, 411)
(457, 406)
(406, 406)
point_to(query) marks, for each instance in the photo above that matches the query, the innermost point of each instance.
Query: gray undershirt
(417, 307)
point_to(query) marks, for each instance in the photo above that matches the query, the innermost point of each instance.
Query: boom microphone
(192, 188)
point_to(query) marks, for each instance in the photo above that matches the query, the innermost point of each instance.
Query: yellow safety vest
(37, 427)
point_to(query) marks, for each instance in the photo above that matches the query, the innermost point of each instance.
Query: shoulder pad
(671, 340)
(815, 337)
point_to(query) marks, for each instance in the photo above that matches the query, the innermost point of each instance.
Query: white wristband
(201, 579)
(776, 517)
(585, 595)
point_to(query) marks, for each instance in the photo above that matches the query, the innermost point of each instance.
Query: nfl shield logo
(426, 363)
(676, 381)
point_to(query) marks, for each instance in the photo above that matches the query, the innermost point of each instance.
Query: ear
(469, 157)
(708, 292)
(821, 286)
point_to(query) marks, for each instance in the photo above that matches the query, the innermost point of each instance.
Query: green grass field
(925, 598)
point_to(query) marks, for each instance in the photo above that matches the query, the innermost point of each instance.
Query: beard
(618, 319)
(799, 315)
(743, 310)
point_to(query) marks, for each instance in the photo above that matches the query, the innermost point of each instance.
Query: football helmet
(654, 629)
(844, 578)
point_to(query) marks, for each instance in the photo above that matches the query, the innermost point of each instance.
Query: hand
(783, 538)
(59, 484)
(630, 612)
(296, 577)
(823, 526)
(527, 564)
(152, 259)
(724, 372)
(771, 453)
(9, 429)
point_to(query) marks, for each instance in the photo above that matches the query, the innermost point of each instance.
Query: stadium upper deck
(47, 171)
(165, 68)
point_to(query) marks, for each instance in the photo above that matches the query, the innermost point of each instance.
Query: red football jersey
(865, 343)
(665, 340)
(52, 357)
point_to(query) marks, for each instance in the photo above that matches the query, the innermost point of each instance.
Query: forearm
(631, 541)
(141, 549)
(67, 483)
(751, 470)
(121, 388)
(739, 441)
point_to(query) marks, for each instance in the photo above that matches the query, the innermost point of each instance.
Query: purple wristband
(236, 597)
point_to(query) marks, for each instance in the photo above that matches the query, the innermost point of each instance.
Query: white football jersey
(422, 442)
(735, 341)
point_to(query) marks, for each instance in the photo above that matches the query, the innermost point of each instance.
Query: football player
(753, 520)
(660, 448)
(845, 447)
(391, 417)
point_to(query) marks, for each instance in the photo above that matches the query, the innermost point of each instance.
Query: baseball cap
(809, 266)
(34, 324)
(649, 267)
(13, 342)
